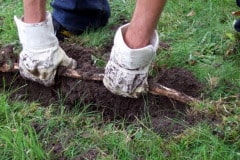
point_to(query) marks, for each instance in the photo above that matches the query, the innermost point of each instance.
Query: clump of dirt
(181, 80)
(7, 56)
(161, 110)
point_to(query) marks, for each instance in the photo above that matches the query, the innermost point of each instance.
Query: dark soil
(75, 91)
(7, 55)
(168, 116)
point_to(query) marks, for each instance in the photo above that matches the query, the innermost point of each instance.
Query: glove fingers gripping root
(41, 53)
(126, 72)
(43, 69)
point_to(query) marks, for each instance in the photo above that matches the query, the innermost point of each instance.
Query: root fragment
(154, 88)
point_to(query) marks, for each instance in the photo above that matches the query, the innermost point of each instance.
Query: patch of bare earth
(168, 116)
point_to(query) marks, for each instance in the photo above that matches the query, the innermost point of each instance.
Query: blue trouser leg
(78, 15)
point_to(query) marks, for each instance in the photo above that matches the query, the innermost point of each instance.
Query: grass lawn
(199, 37)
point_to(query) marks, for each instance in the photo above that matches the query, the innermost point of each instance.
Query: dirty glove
(41, 54)
(126, 72)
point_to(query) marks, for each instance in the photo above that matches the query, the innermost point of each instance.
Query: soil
(162, 111)
(113, 107)
(7, 55)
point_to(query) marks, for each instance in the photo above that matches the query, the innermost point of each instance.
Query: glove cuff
(133, 58)
(38, 35)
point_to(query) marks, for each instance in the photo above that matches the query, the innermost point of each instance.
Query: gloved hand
(126, 72)
(41, 54)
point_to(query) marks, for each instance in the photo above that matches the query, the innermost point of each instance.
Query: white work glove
(126, 72)
(41, 54)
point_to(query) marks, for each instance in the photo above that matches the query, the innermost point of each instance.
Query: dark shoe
(236, 25)
(62, 32)
(238, 3)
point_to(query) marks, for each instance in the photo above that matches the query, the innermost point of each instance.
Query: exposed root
(154, 88)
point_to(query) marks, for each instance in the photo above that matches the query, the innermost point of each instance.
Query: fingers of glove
(42, 76)
(67, 61)
(127, 83)
(41, 65)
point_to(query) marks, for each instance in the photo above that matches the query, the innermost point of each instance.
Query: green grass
(7, 26)
(18, 140)
(205, 37)
(201, 144)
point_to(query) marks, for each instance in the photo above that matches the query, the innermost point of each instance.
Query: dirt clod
(6, 55)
